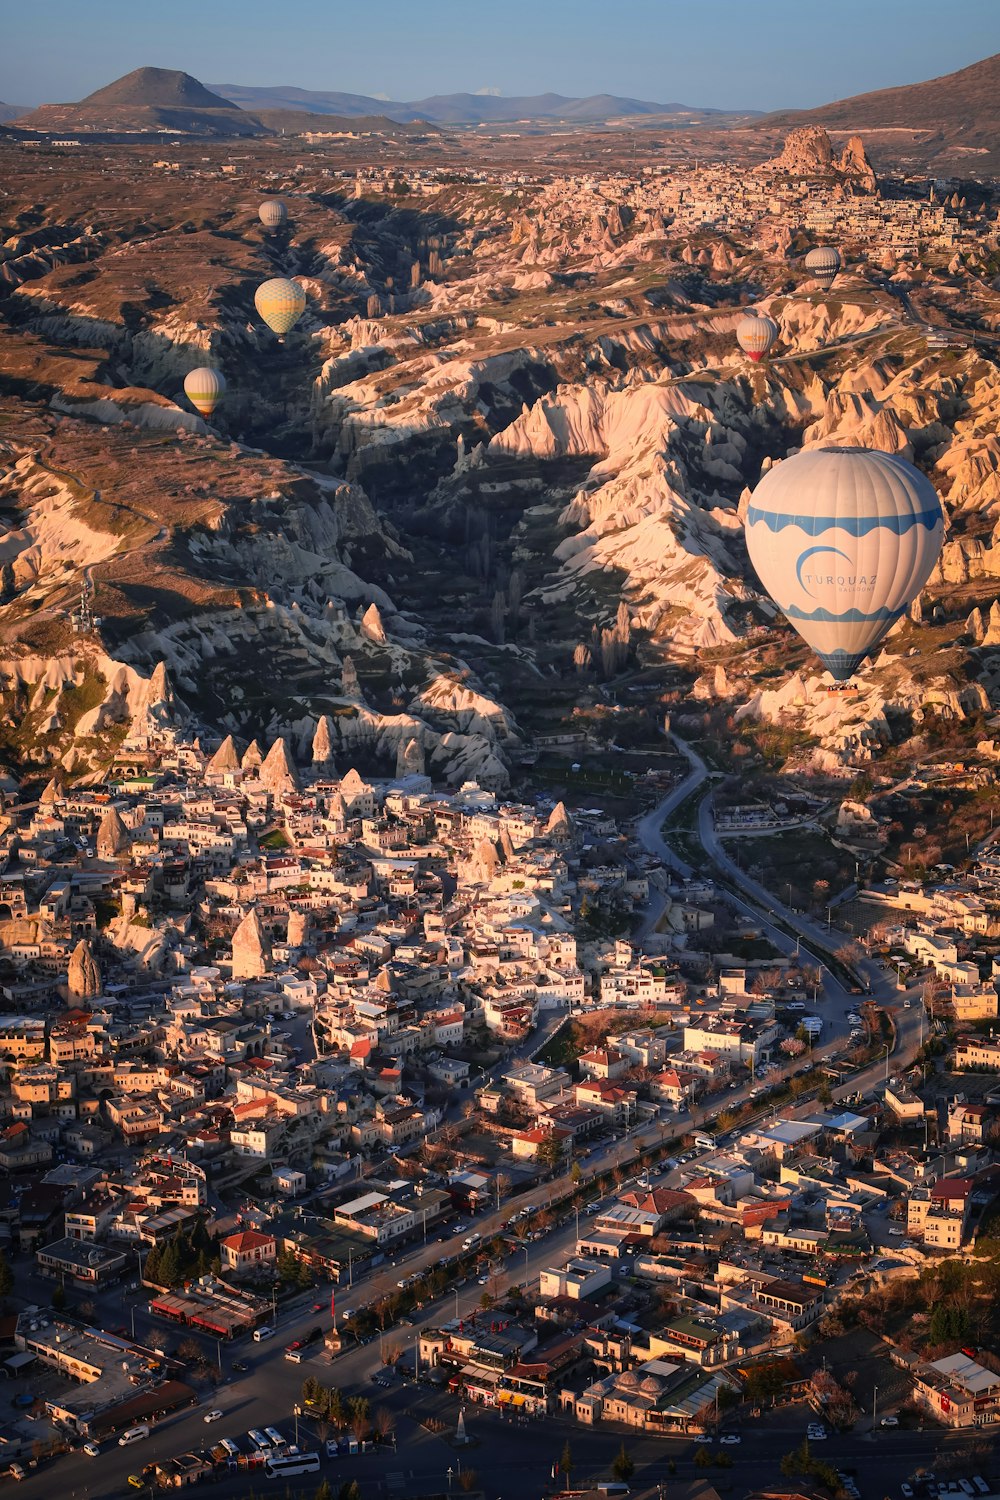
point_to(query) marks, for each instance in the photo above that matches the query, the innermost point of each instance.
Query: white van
(133, 1435)
(472, 1241)
(262, 1333)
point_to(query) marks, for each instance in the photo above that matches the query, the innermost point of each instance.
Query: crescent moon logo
(812, 552)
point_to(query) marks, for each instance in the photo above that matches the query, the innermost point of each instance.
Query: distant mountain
(454, 109)
(163, 88)
(12, 112)
(150, 101)
(961, 111)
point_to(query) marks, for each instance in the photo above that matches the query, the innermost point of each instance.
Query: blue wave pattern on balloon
(849, 617)
(854, 525)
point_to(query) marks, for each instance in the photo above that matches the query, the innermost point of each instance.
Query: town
(276, 1033)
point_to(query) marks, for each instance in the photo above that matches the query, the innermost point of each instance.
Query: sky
(739, 54)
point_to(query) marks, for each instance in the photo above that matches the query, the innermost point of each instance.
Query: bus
(292, 1463)
(258, 1440)
(278, 1443)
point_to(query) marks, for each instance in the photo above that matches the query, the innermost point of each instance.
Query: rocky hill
(162, 88)
(502, 461)
(952, 118)
(11, 112)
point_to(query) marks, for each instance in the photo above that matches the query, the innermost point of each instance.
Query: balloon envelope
(280, 303)
(272, 213)
(756, 334)
(843, 539)
(204, 388)
(823, 265)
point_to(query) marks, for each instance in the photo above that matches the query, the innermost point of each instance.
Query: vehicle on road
(816, 1434)
(906, 1490)
(262, 1333)
(92, 1450)
(135, 1480)
(240, 1366)
(213, 1416)
(897, 1233)
(133, 1435)
(702, 1437)
(291, 1463)
(889, 1422)
(730, 1438)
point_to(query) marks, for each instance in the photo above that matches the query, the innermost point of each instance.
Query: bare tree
(415, 274)
(582, 659)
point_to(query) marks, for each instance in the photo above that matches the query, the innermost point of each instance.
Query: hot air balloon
(756, 334)
(272, 213)
(204, 388)
(823, 265)
(280, 303)
(843, 540)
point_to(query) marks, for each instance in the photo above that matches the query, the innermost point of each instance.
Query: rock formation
(112, 835)
(808, 152)
(298, 929)
(277, 771)
(224, 762)
(83, 979)
(322, 744)
(251, 951)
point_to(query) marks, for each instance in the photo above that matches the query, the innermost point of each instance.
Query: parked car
(730, 1438)
(92, 1450)
(702, 1437)
(240, 1366)
(889, 1422)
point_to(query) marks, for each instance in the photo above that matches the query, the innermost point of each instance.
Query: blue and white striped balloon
(843, 539)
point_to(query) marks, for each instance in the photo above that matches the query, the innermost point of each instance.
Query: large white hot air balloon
(272, 213)
(843, 539)
(204, 388)
(823, 265)
(756, 334)
(280, 303)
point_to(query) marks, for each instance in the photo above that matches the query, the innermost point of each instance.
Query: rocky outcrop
(251, 951)
(808, 152)
(112, 835)
(83, 978)
(277, 771)
(225, 761)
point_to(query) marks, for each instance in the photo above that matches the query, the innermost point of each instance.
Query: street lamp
(888, 1049)
(874, 1403)
(451, 1472)
(298, 1412)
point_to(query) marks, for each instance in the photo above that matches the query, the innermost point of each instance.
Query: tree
(359, 1409)
(349, 1491)
(551, 1151)
(59, 1296)
(468, 1479)
(575, 1174)
(503, 1184)
(384, 1423)
(623, 1466)
(323, 1491)
(566, 1462)
(703, 1459)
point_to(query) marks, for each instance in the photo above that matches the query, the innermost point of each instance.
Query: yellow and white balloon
(204, 388)
(280, 303)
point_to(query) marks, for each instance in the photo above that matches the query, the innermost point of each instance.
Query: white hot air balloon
(272, 213)
(823, 265)
(204, 388)
(843, 540)
(756, 334)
